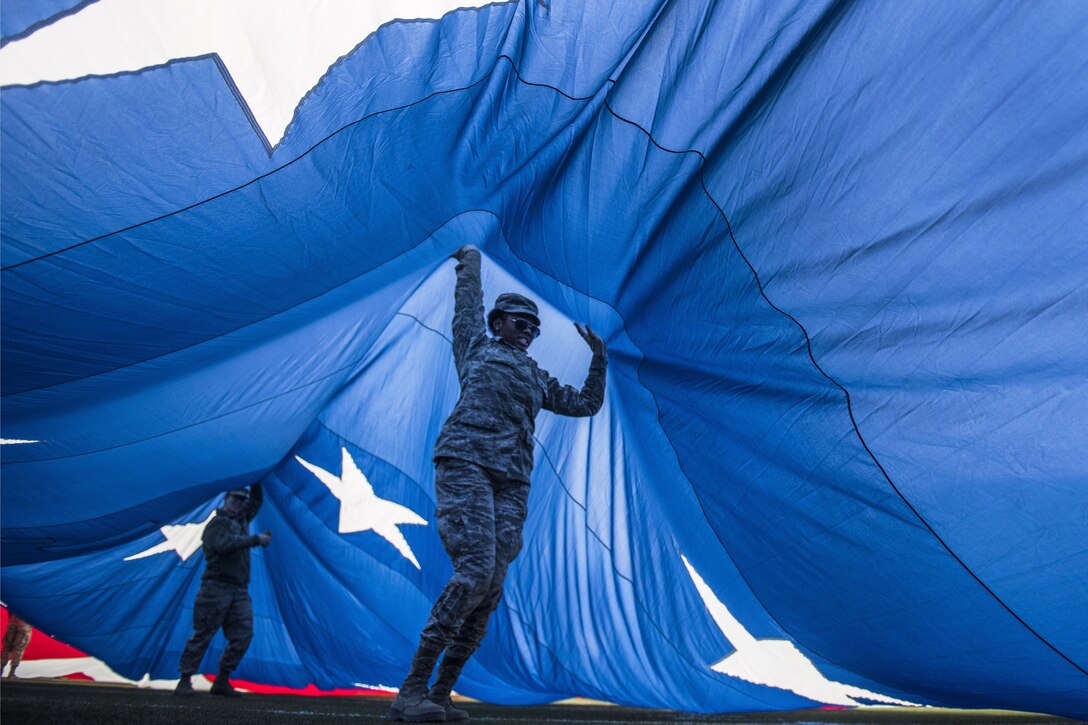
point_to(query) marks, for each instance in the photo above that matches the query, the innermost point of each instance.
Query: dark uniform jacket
(227, 542)
(502, 389)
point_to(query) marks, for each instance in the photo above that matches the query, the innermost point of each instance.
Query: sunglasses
(521, 325)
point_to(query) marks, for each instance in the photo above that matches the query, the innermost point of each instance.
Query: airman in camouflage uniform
(16, 639)
(223, 599)
(483, 462)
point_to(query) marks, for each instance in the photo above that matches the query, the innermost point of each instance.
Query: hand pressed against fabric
(596, 344)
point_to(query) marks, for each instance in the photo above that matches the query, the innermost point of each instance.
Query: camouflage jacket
(227, 542)
(502, 389)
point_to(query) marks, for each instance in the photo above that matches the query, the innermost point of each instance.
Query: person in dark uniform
(223, 599)
(483, 460)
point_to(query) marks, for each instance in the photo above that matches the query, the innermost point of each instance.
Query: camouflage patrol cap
(514, 304)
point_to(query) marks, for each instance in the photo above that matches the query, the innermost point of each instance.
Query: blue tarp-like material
(838, 253)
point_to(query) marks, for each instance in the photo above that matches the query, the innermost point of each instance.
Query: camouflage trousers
(480, 514)
(16, 639)
(219, 605)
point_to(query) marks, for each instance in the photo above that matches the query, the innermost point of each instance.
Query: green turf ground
(49, 702)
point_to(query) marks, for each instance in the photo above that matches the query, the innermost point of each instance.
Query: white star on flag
(776, 662)
(274, 50)
(362, 510)
(182, 539)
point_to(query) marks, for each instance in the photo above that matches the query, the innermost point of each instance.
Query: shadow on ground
(51, 702)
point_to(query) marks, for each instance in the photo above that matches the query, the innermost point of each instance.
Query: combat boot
(452, 713)
(185, 687)
(411, 703)
(415, 707)
(448, 672)
(223, 688)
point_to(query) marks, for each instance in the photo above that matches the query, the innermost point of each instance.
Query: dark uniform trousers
(219, 604)
(480, 515)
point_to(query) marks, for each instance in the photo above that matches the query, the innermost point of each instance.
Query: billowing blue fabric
(21, 17)
(837, 251)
